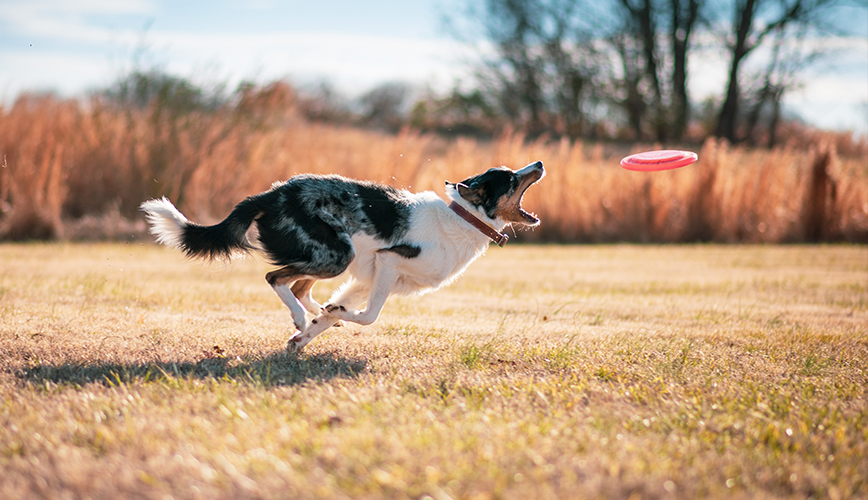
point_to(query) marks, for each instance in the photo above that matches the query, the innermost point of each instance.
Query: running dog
(389, 240)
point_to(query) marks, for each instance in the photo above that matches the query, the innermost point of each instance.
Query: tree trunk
(682, 25)
(649, 33)
(753, 116)
(726, 123)
(642, 17)
(776, 116)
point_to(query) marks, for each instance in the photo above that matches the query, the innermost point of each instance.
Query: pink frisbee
(652, 161)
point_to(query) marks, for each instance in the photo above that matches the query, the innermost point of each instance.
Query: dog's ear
(473, 193)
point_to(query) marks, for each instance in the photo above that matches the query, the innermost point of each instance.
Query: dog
(388, 240)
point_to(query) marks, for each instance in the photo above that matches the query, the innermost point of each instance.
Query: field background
(76, 170)
(607, 371)
(548, 371)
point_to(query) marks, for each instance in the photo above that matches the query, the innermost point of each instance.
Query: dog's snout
(534, 167)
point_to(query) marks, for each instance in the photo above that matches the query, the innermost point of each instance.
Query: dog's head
(498, 192)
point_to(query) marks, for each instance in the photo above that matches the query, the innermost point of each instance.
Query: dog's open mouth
(529, 218)
(528, 179)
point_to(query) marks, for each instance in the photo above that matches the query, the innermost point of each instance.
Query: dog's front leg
(301, 289)
(384, 280)
(317, 325)
(351, 295)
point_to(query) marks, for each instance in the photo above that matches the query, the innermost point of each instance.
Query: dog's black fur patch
(386, 209)
(307, 223)
(406, 251)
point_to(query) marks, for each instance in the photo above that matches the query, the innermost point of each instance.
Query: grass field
(545, 372)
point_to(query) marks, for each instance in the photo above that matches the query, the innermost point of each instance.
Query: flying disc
(652, 161)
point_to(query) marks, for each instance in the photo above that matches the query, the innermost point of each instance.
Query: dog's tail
(220, 241)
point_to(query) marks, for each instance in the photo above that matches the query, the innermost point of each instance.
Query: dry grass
(66, 161)
(595, 372)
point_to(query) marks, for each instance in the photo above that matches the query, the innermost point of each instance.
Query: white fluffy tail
(166, 223)
(220, 241)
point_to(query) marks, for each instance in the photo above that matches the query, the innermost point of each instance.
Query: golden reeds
(65, 160)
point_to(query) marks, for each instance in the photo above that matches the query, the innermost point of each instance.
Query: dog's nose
(535, 166)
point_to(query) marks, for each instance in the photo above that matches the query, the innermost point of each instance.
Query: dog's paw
(295, 344)
(330, 308)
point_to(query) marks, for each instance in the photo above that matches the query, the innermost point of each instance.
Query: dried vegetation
(595, 372)
(79, 170)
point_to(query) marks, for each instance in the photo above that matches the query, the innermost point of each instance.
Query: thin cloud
(67, 21)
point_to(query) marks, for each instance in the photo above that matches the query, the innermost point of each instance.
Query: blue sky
(69, 46)
(73, 46)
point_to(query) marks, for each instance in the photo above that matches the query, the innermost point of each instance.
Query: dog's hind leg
(301, 289)
(282, 282)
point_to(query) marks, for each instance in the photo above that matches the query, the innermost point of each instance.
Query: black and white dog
(388, 240)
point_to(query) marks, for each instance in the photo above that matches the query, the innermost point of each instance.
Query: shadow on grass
(280, 369)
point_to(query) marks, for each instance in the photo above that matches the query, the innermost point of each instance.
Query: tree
(546, 73)
(554, 63)
(565, 66)
(645, 60)
(685, 15)
(788, 58)
(753, 21)
(383, 106)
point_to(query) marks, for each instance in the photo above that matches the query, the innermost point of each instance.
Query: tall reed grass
(65, 160)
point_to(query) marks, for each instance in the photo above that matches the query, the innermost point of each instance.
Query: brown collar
(484, 228)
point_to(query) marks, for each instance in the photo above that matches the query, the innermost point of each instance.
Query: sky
(72, 46)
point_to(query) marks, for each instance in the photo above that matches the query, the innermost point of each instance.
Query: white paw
(296, 343)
